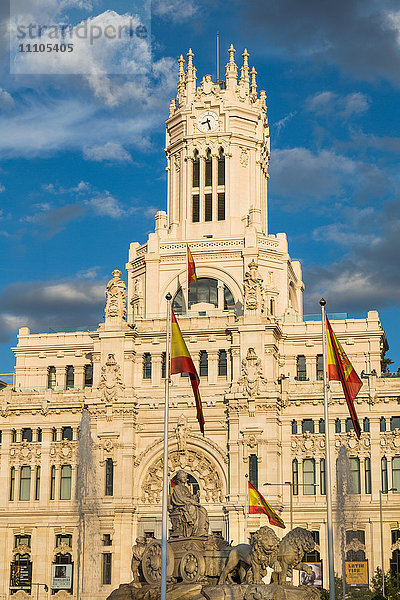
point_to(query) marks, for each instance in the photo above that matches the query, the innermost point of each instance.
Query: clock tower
(217, 147)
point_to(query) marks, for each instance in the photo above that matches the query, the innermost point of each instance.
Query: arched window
(109, 477)
(147, 365)
(382, 424)
(294, 426)
(208, 170)
(359, 536)
(203, 363)
(221, 167)
(69, 379)
(65, 482)
(14, 435)
(338, 426)
(196, 170)
(309, 476)
(88, 375)
(396, 473)
(51, 378)
(384, 475)
(367, 468)
(295, 477)
(349, 425)
(205, 289)
(253, 470)
(366, 424)
(301, 368)
(272, 306)
(54, 434)
(39, 434)
(222, 363)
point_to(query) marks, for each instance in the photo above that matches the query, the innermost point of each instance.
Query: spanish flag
(191, 266)
(341, 369)
(259, 505)
(181, 362)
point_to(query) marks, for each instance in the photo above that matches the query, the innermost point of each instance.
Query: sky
(82, 165)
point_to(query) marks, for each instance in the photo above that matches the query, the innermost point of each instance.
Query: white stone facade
(246, 315)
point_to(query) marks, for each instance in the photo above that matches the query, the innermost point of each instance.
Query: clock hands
(207, 122)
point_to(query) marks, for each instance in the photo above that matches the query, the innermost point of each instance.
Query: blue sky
(82, 167)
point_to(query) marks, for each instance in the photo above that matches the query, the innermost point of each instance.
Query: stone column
(212, 367)
(220, 295)
(60, 377)
(236, 362)
(79, 377)
(156, 369)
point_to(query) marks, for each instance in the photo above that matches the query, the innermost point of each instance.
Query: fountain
(206, 567)
(88, 545)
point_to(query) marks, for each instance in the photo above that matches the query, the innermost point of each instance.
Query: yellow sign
(357, 572)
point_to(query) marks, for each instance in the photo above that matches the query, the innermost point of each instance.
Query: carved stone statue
(290, 552)
(137, 555)
(181, 432)
(252, 380)
(188, 518)
(116, 296)
(254, 291)
(110, 380)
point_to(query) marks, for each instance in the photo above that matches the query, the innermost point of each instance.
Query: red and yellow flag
(341, 369)
(259, 505)
(181, 362)
(191, 266)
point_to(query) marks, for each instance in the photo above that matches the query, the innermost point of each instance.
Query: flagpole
(164, 536)
(246, 510)
(187, 280)
(328, 459)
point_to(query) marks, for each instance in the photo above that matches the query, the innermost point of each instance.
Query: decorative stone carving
(390, 441)
(207, 85)
(137, 298)
(61, 595)
(187, 516)
(254, 292)
(244, 157)
(116, 296)
(355, 545)
(181, 432)
(22, 595)
(22, 549)
(137, 555)
(192, 461)
(177, 162)
(355, 446)
(110, 380)
(251, 381)
(63, 548)
(308, 444)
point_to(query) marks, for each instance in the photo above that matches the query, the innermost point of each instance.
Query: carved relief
(181, 433)
(63, 548)
(116, 296)
(354, 446)
(251, 381)
(22, 549)
(110, 380)
(244, 157)
(254, 292)
(355, 545)
(195, 463)
(137, 298)
(63, 452)
(390, 442)
(177, 162)
(308, 444)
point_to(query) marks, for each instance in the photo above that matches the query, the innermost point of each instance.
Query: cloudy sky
(82, 168)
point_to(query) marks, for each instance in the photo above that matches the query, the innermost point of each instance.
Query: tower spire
(181, 80)
(190, 76)
(231, 73)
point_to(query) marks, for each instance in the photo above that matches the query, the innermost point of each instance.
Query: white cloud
(342, 235)
(89, 273)
(107, 206)
(177, 10)
(2, 188)
(83, 186)
(6, 100)
(111, 151)
(330, 104)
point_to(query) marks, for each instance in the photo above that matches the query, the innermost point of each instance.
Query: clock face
(208, 121)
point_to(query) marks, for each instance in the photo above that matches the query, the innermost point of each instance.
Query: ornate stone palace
(81, 445)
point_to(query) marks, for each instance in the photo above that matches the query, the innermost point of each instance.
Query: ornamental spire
(231, 70)
(181, 80)
(190, 76)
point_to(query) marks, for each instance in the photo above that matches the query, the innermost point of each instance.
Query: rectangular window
(147, 365)
(12, 483)
(196, 173)
(65, 482)
(253, 470)
(195, 208)
(221, 207)
(203, 364)
(355, 475)
(51, 378)
(301, 368)
(384, 475)
(208, 174)
(222, 364)
(109, 477)
(163, 366)
(295, 477)
(396, 473)
(394, 423)
(67, 433)
(309, 476)
(37, 483)
(64, 539)
(367, 466)
(208, 207)
(307, 425)
(25, 484)
(106, 568)
(88, 375)
(322, 478)
(320, 366)
(221, 170)
(52, 482)
(70, 377)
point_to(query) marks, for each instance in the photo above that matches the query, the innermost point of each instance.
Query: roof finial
(181, 80)
(253, 88)
(190, 58)
(190, 77)
(231, 70)
(244, 71)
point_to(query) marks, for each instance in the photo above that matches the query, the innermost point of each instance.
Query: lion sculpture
(258, 555)
(291, 550)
